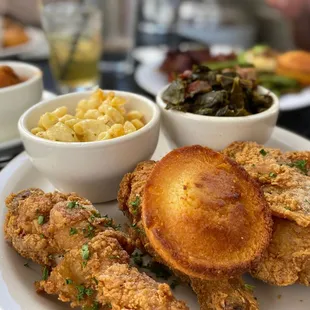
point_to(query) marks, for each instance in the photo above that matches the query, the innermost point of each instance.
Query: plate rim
(23, 162)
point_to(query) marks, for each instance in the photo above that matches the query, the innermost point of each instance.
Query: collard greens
(209, 92)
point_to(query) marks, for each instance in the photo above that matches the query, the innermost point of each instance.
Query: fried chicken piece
(42, 226)
(283, 177)
(99, 274)
(231, 294)
(287, 260)
(211, 294)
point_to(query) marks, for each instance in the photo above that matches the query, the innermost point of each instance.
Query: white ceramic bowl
(16, 99)
(218, 132)
(92, 169)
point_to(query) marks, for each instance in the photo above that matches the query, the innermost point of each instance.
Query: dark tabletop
(297, 121)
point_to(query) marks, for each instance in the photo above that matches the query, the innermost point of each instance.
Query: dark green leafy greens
(209, 92)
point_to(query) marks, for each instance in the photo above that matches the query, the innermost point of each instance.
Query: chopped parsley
(108, 305)
(89, 232)
(110, 223)
(263, 152)
(301, 165)
(26, 264)
(89, 291)
(95, 280)
(45, 273)
(136, 204)
(84, 263)
(82, 291)
(85, 252)
(287, 208)
(249, 287)
(40, 219)
(73, 204)
(272, 174)
(137, 229)
(73, 231)
(69, 281)
(42, 236)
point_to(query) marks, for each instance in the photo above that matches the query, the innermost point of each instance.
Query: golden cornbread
(203, 215)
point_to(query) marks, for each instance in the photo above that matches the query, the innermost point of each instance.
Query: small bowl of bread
(21, 87)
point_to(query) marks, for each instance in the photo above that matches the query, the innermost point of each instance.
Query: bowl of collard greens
(214, 109)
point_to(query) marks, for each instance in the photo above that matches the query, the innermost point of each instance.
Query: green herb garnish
(137, 229)
(40, 219)
(95, 280)
(85, 252)
(272, 174)
(263, 152)
(73, 231)
(89, 291)
(72, 204)
(136, 204)
(114, 256)
(26, 264)
(249, 287)
(159, 270)
(301, 165)
(69, 281)
(45, 273)
(42, 236)
(81, 292)
(90, 232)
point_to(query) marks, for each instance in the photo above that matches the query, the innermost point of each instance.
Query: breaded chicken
(230, 294)
(42, 226)
(287, 260)
(283, 177)
(94, 272)
(98, 274)
(212, 295)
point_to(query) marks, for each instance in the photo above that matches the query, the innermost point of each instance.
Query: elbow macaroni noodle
(101, 117)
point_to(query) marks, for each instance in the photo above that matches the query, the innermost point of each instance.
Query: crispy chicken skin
(287, 259)
(212, 295)
(41, 226)
(94, 272)
(106, 279)
(283, 177)
(229, 294)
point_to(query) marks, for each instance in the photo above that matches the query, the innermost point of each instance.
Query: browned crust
(167, 252)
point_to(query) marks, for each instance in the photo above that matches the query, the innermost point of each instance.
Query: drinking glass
(73, 30)
(119, 28)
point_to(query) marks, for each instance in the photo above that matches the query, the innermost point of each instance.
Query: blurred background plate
(155, 55)
(37, 44)
(11, 148)
(150, 79)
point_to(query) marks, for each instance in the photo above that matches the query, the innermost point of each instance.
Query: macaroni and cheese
(103, 116)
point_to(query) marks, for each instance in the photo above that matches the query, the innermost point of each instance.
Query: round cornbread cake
(204, 215)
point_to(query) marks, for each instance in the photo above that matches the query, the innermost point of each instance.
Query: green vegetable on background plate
(209, 92)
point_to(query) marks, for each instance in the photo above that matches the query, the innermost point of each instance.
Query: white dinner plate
(36, 41)
(150, 79)
(16, 280)
(10, 144)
